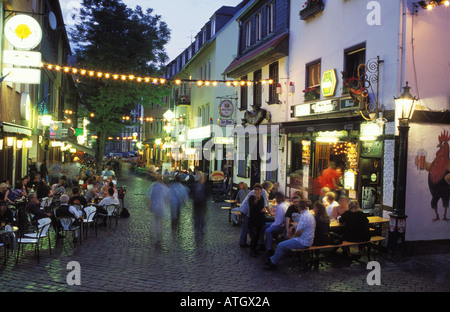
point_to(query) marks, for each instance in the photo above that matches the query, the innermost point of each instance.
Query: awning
(269, 52)
(80, 147)
(13, 128)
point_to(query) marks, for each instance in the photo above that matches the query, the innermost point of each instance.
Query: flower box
(311, 8)
(311, 94)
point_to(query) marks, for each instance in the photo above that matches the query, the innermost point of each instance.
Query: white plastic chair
(66, 226)
(43, 227)
(90, 212)
(41, 222)
(111, 212)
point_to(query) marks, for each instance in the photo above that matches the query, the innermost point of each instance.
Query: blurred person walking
(159, 203)
(199, 208)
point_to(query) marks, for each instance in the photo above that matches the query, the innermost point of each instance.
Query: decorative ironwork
(361, 87)
(311, 8)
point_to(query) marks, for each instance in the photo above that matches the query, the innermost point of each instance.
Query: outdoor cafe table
(372, 220)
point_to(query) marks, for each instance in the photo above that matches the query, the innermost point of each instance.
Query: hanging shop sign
(56, 131)
(23, 32)
(328, 82)
(226, 122)
(324, 107)
(226, 108)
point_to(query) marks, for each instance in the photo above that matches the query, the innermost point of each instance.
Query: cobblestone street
(125, 259)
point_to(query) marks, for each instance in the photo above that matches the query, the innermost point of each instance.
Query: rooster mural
(439, 176)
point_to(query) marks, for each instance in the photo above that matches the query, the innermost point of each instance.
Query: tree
(112, 38)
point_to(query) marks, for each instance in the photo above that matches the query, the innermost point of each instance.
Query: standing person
(256, 219)
(302, 238)
(329, 176)
(159, 203)
(244, 209)
(178, 196)
(278, 226)
(240, 197)
(199, 204)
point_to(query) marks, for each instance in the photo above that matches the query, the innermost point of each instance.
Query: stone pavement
(125, 259)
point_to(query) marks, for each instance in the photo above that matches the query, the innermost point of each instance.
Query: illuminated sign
(323, 107)
(328, 83)
(23, 32)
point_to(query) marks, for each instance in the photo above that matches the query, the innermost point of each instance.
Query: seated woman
(322, 231)
(356, 225)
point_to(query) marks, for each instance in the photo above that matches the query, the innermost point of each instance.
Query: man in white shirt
(330, 204)
(278, 226)
(302, 238)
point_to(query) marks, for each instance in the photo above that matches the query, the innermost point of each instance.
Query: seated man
(109, 200)
(34, 207)
(65, 210)
(277, 227)
(302, 238)
(77, 198)
(93, 193)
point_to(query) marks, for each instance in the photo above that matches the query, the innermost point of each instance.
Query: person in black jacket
(256, 219)
(356, 225)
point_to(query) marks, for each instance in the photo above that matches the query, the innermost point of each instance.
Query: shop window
(257, 89)
(273, 75)
(354, 57)
(244, 94)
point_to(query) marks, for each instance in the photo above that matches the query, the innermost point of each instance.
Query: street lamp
(46, 122)
(404, 105)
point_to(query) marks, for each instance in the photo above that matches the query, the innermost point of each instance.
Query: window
(258, 22)
(273, 75)
(313, 74)
(272, 162)
(354, 57)
(244, 94)
(270, 18)
(257, 89)
(248, 34)
(242, 157)
(213, 27)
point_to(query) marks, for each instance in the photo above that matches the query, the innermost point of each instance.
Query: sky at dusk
(185, 18)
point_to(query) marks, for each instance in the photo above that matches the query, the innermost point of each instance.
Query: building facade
(39, 91)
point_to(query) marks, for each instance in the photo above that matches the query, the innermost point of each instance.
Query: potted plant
(312, 93)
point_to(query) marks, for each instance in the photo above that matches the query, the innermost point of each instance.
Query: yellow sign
(328, 83)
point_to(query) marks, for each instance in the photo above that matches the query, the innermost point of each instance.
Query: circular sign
(226, 108)
(23, 32)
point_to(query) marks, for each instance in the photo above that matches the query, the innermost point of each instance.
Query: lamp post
(404, 105)
(46, 121)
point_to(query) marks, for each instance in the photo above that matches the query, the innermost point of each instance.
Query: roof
(273, 46)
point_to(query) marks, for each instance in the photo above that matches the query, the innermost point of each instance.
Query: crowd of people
(298, 224)
(60, 195)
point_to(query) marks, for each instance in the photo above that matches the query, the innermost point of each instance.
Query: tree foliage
(112, 38)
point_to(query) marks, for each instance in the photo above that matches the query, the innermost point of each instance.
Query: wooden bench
(374, 240)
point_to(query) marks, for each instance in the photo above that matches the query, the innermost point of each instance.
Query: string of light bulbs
(154, 80)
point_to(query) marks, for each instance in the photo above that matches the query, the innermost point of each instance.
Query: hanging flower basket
(311, 8)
